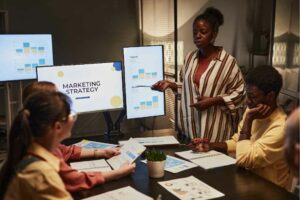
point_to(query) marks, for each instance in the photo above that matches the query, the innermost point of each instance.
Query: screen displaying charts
(92, 87)
(144, 66)
(21, 54)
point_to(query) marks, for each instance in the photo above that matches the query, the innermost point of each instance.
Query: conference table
(234, 182)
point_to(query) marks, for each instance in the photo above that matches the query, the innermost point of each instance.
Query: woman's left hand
(108, 153)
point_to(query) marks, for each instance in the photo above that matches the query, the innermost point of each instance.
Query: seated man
(292, 146)
(258, 144)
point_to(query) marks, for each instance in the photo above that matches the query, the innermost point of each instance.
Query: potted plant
(156, 163)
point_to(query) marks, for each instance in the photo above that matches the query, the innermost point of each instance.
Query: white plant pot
(156, 169)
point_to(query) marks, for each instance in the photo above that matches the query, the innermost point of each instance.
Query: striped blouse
(221, 78)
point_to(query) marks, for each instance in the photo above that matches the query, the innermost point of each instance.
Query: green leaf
(155, 155)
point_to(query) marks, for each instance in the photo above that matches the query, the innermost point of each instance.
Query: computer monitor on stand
(20, 54)
(92, 87)
(143, 66)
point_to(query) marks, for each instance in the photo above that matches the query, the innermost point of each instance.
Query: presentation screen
(92, 87)
(143, 66)
(21, 54)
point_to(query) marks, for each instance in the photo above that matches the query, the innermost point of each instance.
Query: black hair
(40, 111)
(213, 16)
(265, 78)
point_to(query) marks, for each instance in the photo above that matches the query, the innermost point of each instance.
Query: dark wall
(83, 31)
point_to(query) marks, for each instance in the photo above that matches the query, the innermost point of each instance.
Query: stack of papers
(130, 151)
(190, 188)
(122, 193)
(155, 141)
(207, 160)
(91, 166)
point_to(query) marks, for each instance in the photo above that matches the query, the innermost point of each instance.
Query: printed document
(155, 141)
(88, 144)
(207, 160)
(122, 193)
(130, 151)
(175, 165)
(91, 166)
(190, 188)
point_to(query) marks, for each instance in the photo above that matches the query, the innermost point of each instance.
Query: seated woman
(30, 170)
(72, 178)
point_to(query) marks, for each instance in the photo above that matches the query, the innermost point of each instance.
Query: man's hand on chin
(261, 111)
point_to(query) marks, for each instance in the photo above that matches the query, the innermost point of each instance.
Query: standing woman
(30, 170)
(211, 87)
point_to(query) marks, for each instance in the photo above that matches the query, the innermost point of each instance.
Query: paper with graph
(207, 160)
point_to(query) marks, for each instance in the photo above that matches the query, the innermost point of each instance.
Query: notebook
(207, 160)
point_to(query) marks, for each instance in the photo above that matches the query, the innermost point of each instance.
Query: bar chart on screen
(21, 54)
(143, 67)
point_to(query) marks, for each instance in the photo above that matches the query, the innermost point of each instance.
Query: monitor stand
(113, 129)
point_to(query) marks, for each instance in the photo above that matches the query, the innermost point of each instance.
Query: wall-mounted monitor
(143, 66)
(21, 54)
(92, 87)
